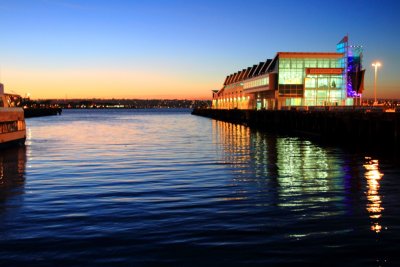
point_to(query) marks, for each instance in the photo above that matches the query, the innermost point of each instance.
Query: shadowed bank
(361, 128)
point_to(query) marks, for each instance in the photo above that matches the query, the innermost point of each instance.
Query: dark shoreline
(39, 112)
(366, 131)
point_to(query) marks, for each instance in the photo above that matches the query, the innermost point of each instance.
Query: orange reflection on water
(235, 140)
(12, 166)
(374, 205)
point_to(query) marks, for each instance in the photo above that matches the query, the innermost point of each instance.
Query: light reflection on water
(168, 188)
(374, 205)
(299, 171)
(12, 171)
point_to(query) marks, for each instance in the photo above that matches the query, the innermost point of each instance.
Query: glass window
(323, 83)
(296, 101)
(310, 83)
(291, 76)
(311, 63)
(349, 101)
(282, 77)
(335, 94)
(335, 63)
(309, 93)
(284, 63)
(299, 64)
(321, 94)
(336, 82)
(310, 102)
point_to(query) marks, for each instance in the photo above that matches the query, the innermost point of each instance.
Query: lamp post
(375, 65)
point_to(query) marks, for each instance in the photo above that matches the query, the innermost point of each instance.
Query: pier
(39, 112)
(370, 128)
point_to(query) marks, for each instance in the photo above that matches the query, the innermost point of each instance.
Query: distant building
(296, 79)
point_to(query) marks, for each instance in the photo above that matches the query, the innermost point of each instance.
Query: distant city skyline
(180, 49)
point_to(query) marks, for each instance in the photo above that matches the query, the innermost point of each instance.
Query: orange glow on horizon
(101, 83)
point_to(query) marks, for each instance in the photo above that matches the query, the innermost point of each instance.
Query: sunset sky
(180, 49)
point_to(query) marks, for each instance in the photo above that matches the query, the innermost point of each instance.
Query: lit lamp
(375, 65)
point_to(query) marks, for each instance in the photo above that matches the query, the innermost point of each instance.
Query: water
(140, 188)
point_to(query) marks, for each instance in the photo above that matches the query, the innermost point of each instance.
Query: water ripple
(133, 187)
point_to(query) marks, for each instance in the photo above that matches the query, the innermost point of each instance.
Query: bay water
(166, 188)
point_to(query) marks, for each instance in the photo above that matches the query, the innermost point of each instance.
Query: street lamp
(375, 65)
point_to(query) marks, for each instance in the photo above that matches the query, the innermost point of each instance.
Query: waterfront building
(296, 79)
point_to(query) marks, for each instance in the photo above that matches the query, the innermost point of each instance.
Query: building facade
(296, 79)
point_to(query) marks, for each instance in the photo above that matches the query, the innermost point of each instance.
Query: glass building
(296, 79)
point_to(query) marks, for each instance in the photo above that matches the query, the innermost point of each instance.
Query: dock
(357, 127)
(39, 112)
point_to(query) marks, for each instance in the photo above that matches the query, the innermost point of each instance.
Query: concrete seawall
(351, 127)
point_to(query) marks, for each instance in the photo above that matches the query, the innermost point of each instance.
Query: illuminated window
(310, 63)
(321, 94)
(336, 82)
(322, 82)
(309, 94)
(335, 63)
(335, 94)
(311, 83)
(310, 102)
(291, 76)
(323, 63)
(293, 102)
(284, 63)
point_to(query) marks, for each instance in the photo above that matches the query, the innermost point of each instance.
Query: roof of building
(268, 65)
(265, 66)
(253, 71)
(246, 74)
(309, 55)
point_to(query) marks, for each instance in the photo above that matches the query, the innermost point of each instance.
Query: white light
(375, 65)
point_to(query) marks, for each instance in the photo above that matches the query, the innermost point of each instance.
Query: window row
(296, 101)
(291, 76)
(312, 94)
(11, 126)
(288, 63)
(324, 82)
(322, 102)
(229, 86)
(291, 92)
(293, 102)
(255, 83)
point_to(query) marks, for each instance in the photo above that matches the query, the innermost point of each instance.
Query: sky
(180, 49)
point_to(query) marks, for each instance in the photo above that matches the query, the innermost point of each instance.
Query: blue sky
(179, 49)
